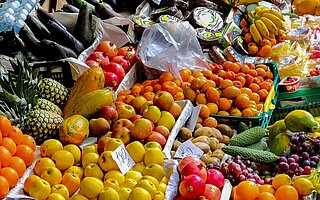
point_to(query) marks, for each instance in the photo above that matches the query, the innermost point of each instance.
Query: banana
(278, 22)
(255, 34)
(270, 25)
(271, 11)
(262, 28)
(260, 9)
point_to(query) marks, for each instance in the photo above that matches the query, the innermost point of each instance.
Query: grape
(295, 157)
(256, 177)
(291, 160)
(225, 170)
(306, 163)
(315, 159)
(266, 173)
(305, 156)
(237, 170)
(294, 140)
(302, 138)
(250, 170)
(294, 166)
(307, 170)
(238, 161)
(261, 182)
(232, 166)
(243, 166)
(237, 157)
(229, 176)
(242, 177)
(313, 164)
(294, 148)
(247, 163)
(290, 172)
(245, 172)
(283, 159)
(252, 180)
(250, 176)
(283, 166)
(234, 181)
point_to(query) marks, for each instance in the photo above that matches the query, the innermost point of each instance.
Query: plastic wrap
(164, 48)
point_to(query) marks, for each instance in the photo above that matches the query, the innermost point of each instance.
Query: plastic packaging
(164, 48)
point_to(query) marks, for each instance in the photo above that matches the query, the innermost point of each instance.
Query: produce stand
(158, 99)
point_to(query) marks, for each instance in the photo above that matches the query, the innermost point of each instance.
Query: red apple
(123, 62)
(109, 48)
(129, 53)
(157, 137)
(134, 118)
(163, 130)
(212, 192)
(141, 129)
(192, 187)
(123, 134)
(186, 160)
(122, 123)
(216, 178)
(96, 56)
(104, 62)
(102, 142)
(116, 69)
(92, 63)
(111, 80)
(193, 168)
(109, 113)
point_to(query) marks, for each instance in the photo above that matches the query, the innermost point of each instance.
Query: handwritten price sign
(123, 159)
(188, 149)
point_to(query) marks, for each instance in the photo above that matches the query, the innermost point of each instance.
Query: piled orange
(16, 153)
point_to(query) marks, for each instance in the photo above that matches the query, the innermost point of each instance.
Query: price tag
(188, 149)
(123, 159)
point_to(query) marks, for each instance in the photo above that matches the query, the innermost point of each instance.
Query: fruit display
(114, 62)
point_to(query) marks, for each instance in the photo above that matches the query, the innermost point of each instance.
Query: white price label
(123, 159)
(188, 149)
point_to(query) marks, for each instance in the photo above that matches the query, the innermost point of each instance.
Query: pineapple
(43, 104)
(53, 91)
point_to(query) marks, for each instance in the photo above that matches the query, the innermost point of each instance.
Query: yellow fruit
(93, 170)
(129, 183)
(153, 155)
(52, 175)
(152, 179)
(91, 187)
(303, 186)
(55, 196)
(108, 194)
(106, 162)
(49, 147)
(78, 197)
(139, 193)
(90, 158)
(158, 196)
(40, 189)
(138, 167)
(136, 151)
(154, 170)
(116, 175)
(61, 189)
(147, 185)
(75, 151)
(162, 187)
(134, 175)
(112, 183)
(63, 159)
(29, 181)
(89, 149)
(41, 164)
(124, 193)
(281, 179)
(76, 170)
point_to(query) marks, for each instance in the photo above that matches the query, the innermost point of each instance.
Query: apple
(102, 142)
(163, 130)
(108, 47)
(125, 111)
(137, 102)
(126, 65)
(106, 162)
(129, 52)
(40, 189)
(144, 106)
(150, 145)
(134, 118)
(77, 170)
(136, 151)
(152, 113)
(60, 189)
(99, 126)
(123, 123)
(123, 134)
(166, 120)
(63, 159)
(93, 170)
(141, 129)
(90, 187)
(116, 69)
(155, 170)
(75, 151)
(96, 56)
(111, 80)
(55, 196)
(52, 175)
(112, 144)
(41, 164)
(104, 62)
(109, 113)
(212, 192)
(92, 63)
(163, 100)
(71, 181)
(157, 137)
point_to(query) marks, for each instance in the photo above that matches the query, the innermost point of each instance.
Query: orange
(5, 156)
(178, 96)
(265, 85)
(255, 97)
(247, 190)
(29, 141)
(128, 98)
(17, 164)
(251, 66)
(261, 72)
(252, 72)
(263, 66)
(231, 92)
(120, 98)
(263, 93)
(267, 188)
(213, 107)
(212, 94)
(0, 137)
(124, 93)
(226, 83)
(25, 153)
(266, 196)
(224, 104)
(9, 144)
(235, 112)
(226, 65)
(210, 122)
(11, 175)
(149, 96)
(286, 192)
(201, 99)
(135, 90)
(254, 87)
(204, 112)
(269, 75)
(246, 90)
(5, 125)
(147, 88)
(197, 83)
(230, 75)
(4, 187)
(242, 101)
(207, 84)
(248, 112)
(245, 68)
(166, 76)
(16, 135)
(239, 84)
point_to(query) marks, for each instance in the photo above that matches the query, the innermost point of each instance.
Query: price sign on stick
(188, 149)
(123, 159)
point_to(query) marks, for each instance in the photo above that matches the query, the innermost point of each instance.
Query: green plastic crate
(304, 99)
(265, 115)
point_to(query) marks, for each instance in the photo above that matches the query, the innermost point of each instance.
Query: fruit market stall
(157, 99)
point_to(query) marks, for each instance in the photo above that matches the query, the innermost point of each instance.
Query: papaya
(301, 120)
(277, 128)
(90, 80)
(317, 119)
(74, 130)
(280, 144)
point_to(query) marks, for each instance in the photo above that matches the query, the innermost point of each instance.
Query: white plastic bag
(171, 47)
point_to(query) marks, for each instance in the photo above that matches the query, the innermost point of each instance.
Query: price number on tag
(123, 159)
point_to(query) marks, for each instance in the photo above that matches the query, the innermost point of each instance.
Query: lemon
(138, 167)
(129, 183)
(134, 175)
(162, 187)
(281, 179)
(124, 193)
(139, 193)
(158, 196)
(303, 185)
(108, 194)
(153, 155)
(115, 174)
(112, 183)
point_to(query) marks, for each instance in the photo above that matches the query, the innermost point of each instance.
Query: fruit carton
(290, 84)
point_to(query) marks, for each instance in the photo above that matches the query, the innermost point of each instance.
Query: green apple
(152, 113)
(166, 120)
(93, 170)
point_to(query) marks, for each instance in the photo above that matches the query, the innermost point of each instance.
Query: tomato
(109, 48)
(116, 69)
(111, 80)
(192, 187)
(129, 52)
(123, 62)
